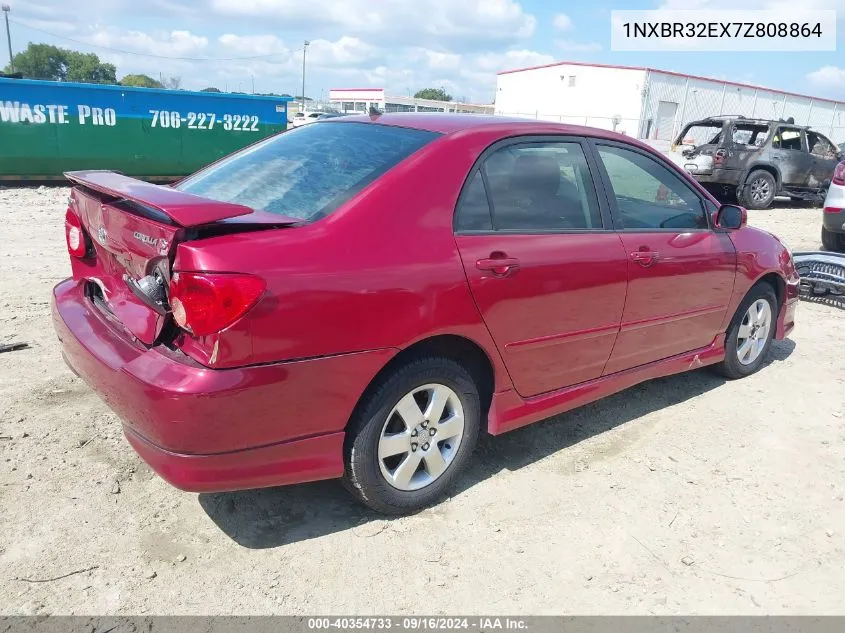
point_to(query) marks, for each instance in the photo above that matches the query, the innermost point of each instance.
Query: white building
(648, 103)
(360, 100)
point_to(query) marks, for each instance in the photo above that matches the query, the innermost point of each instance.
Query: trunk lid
(134, 228)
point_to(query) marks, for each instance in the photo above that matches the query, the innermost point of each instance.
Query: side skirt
(509, 411)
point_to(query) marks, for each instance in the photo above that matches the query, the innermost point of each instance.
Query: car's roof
(444, 123)
(748, 121)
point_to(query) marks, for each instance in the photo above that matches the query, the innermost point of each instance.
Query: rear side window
(473, 211)
(307, 172)
(541, 186)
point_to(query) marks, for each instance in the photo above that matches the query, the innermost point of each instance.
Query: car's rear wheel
(750, 333)
(411, 436)
(832, 241)
(759, 190)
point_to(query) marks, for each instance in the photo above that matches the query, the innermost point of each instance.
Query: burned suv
(756, 159)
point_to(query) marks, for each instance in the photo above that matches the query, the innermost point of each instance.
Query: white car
(303, 118)
(833, 222)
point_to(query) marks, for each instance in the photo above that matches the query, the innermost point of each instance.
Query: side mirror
(731, 216)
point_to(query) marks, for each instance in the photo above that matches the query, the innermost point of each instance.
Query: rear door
(789, 154)
(546, 269)
(680, 271)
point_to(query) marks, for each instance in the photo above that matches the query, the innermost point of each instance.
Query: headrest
(535, 174)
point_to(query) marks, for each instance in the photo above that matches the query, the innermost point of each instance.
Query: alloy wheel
(753, 332)
(420, 437)
(760, 190)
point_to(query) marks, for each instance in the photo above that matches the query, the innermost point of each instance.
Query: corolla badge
(159, 243)
(101, 235)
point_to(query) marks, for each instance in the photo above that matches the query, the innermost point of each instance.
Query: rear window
(307, 172)
(702, 134)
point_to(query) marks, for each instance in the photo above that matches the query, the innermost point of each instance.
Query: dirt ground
(682, 495)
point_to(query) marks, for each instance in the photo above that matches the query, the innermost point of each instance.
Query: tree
(173, 83)
(140, 81)
(210, 89)
(87, 68)
(44, 61)
(437, 94)
(41, 61)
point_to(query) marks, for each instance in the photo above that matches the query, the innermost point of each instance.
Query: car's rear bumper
(207, 429)
(310, 459)
(718, 176)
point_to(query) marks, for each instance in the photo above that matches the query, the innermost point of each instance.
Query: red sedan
(361, 297)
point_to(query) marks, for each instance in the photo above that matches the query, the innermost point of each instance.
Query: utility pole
(6, 8)
(304, 48)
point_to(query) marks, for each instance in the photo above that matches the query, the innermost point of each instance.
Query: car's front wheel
(411, 436)
(750, 333)
(759, 190)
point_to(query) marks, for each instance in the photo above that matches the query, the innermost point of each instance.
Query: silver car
(833, 222)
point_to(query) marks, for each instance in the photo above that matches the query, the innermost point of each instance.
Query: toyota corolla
(361, 297)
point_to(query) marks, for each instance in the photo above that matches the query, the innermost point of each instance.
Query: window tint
(648, 195)
(309, 171)
(787, 138)
(820, 146)
(541, 186)
(473, 211)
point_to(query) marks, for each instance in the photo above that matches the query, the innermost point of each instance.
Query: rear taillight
(205, 303)
(719, 157)
(832, 210)
(839, 174)
(77, 241)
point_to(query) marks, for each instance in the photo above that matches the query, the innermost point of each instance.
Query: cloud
(162, 43)
(787, 6)
(466, 23)
(401, 45)
(831, 78)
(562, 22)
(578, 47)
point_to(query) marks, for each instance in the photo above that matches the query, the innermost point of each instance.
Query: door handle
(777, 157)
(646, 259)
(499, 266)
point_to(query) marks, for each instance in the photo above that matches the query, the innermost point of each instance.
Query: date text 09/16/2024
(417, 623)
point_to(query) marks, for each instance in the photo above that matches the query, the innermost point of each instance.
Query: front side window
(820, 146)
(541, 186)
(309, 171)
(649, 195)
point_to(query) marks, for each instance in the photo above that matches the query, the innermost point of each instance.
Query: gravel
(683, 495)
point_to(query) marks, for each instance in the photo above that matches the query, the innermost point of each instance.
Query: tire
(381, 481)
(831, 241)
(738, 364)
(759, 190)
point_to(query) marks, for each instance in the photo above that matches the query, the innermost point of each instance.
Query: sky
(399, 45)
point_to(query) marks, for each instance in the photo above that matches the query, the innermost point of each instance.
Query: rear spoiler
(182, 208)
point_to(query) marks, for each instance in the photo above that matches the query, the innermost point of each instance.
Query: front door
(824, 156)
(546, 270)
(680, 271)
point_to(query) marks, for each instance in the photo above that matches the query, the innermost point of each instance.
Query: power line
(125, 52)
